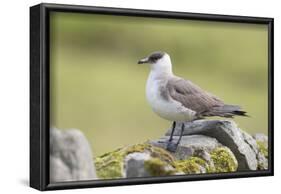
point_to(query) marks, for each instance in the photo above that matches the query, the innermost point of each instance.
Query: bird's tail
(229, 111)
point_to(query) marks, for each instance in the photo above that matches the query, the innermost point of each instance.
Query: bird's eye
(153, 58)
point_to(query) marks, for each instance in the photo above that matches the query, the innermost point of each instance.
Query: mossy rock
(192, 165)
(157, 167)
(224, 160)
(163, 163)
(263, 148)
(111, 164)
(221, 160)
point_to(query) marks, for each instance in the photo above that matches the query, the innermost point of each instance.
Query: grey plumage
(194, 98)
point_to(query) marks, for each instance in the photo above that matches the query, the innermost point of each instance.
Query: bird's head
(158, 61)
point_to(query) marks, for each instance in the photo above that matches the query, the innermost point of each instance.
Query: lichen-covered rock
(207, 146)
(228, 134)
(157, 167)
(116, 164)
(70, 156)
(143, 165)
(135, 165)
(192, 165)
(189, 145)
(262, 146)
(110, 165)
(224, 160)
(262, 142)
(259, 147)
(144, 160)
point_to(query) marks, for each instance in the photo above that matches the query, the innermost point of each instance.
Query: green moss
(223, 160)
(157, 167)
(153, 150)
(263, 148)
(137, 148)
(191, 165)
(110, 165)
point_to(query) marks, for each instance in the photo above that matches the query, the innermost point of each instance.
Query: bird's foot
(171, 146)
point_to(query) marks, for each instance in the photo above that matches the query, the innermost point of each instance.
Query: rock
(224, 160)
(189, 145)
(135, 161)
(257, 147)
(70, 156)
(261, 137)
(250, 141)
(144, 165)
(195, 150)
(220, 159)
(134, 165)
(208, 146)
(226, 133)
(143, 160)
(262, 145)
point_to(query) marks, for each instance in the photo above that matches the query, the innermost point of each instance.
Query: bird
(179, 100)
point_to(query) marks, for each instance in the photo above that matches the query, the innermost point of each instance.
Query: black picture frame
(39, 94)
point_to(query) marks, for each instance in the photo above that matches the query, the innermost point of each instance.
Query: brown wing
(192, 96)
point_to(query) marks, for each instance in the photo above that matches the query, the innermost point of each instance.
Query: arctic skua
(179, 100)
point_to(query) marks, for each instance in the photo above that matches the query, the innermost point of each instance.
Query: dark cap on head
(152, 58)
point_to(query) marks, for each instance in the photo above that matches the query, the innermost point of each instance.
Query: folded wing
(203, 103)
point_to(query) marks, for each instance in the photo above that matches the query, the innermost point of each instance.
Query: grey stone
(250, 141)
(228, 134)
(261, 137)
(262, 159)
(190, 145)
(134, 165)
(262, 162)
(70, 156)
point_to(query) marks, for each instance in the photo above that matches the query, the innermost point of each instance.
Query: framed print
(127, 96)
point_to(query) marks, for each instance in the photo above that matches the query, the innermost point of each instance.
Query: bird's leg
(182, 129)
(172, 132)
(171, 146)
(171, 135)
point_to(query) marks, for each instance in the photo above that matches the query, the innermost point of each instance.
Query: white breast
(167, 109)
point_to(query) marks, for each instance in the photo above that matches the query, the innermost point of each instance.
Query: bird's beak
(145, 60)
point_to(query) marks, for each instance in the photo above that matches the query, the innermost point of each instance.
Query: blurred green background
(97, 86)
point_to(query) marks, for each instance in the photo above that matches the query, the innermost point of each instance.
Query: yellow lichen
(192, 165)
(153, 150)
(137, 148)
(223, 160)
(110, 165)
(157, 167)
(263, 148)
